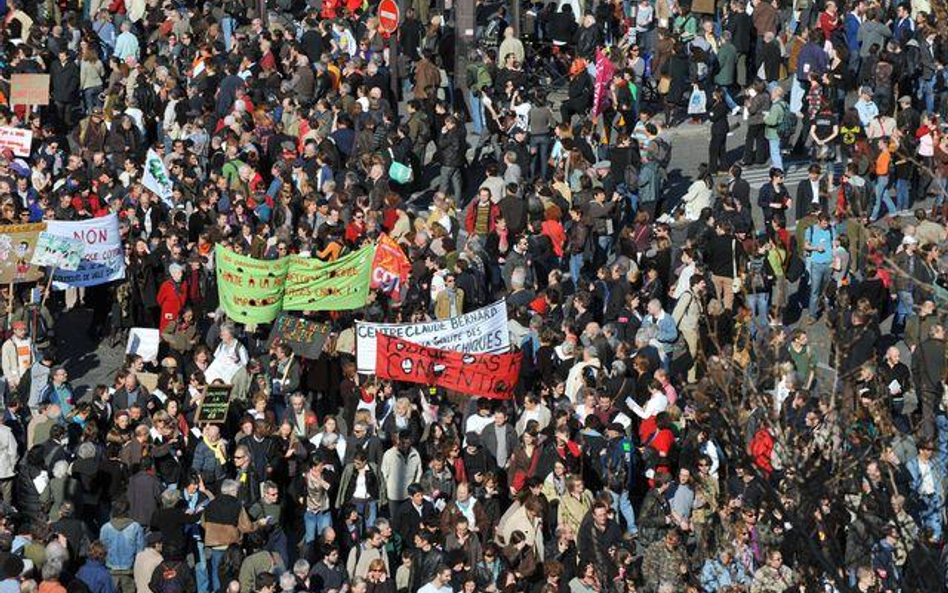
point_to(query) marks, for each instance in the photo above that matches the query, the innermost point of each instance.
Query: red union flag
(604, 71)
(493, 376)
(390, 267)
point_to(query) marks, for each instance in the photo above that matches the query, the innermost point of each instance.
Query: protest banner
(315, 285)
(493, 376)
(155, 177)
(62, 253)
(29, 89)
(144, 342)
(17, 244)
(305, 337)
(17, 140)
(214, 405)
(481, 331)
(390, 267)
(102, 260)
(250, 290)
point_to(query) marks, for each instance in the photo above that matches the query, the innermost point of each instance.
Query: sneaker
(736, 110)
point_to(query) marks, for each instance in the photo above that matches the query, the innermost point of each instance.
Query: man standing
(16, 355)
(64, 78)
(819, 249)
(401, 466)
(123, 540)
(928, 368)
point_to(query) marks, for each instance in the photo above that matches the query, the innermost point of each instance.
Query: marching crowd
(673, 428)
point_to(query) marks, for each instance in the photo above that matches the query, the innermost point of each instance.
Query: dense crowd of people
(673, 428)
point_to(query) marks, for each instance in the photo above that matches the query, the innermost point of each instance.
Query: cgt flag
(390, 268)
(493, 376)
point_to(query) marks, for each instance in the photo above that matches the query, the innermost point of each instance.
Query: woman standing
(91, 72)
(717, 149)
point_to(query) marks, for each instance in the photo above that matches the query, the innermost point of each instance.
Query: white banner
(18, 140)
(103, 260)
(483, 331)
(155, 177)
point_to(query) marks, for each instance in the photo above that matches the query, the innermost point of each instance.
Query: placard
(17, 244)
(29, 89)
(62, 253)
(483, 331)
(18, 140)
(214, 406)
(144, 342)
(305, 337)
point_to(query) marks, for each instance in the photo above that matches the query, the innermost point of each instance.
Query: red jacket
(171, 300)
(469, 220)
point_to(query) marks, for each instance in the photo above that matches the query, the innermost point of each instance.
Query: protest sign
(155, 177)
(143, 341)
(17, 140)
(390, 267)
(481, 331)
(63, 253)
(29, 89)
(305, 337)
(315, 285)
(102, 260)
(493, 376)
(214, 405)
(250, 290)
(17, 244)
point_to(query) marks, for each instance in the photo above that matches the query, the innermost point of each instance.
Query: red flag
(604, 71)
(390, 268)
(493, 376)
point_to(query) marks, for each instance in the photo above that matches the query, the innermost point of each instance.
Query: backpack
(787, 124)
(631, 177)
(661, 152)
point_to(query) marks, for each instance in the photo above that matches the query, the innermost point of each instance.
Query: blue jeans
(214, 569)
(228, 25)
(368, 510)
(926, 91)
(622, 505)
(929, 514)
(820, 274)
(200, 569)
(90, 98)
(731, 103)
(540, 146)
(883, 197)
(903, 308)
(759, 303)
(315, 524)
(477, 113)
(902, 194)
(605, 245)
(776, 160)
(575, 267)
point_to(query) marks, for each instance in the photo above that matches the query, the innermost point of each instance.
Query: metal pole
(463, 43)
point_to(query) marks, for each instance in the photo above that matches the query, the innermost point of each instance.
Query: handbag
(697, 104)
(398, 172)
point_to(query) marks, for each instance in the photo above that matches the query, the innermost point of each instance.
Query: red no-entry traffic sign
(388, 15)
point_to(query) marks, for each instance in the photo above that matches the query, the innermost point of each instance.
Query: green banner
(314, 285)
(250, 290)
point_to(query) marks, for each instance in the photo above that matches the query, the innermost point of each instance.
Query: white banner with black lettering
(483, 331)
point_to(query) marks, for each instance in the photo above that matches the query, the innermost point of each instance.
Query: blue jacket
(852, 32)
(96, 576)
(124, 539)
(938, 475)
(811, 60)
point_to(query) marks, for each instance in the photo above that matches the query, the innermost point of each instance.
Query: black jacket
(65, 81)
(451, 148)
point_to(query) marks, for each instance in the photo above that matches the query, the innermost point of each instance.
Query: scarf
(217, 449)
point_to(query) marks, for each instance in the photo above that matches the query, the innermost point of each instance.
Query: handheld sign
(389, 15)
(213, 409)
